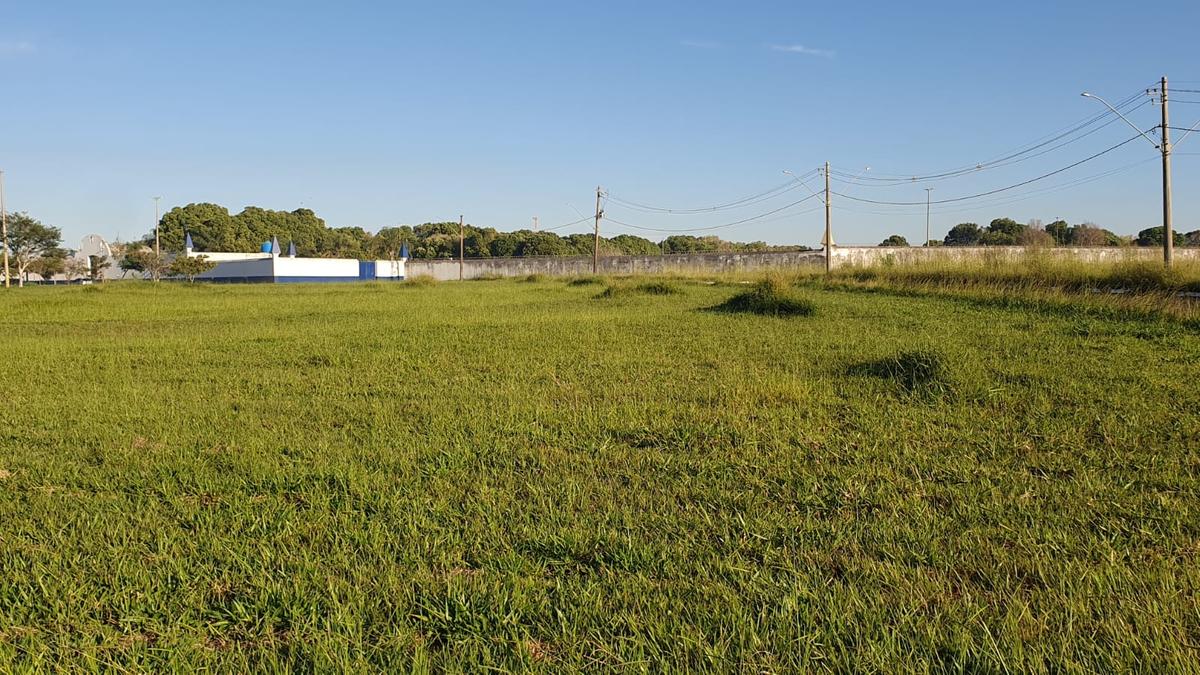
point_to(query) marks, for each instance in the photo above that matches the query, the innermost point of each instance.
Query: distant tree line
(214, 229)
(1008, 232)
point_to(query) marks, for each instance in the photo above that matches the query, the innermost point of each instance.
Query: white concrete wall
(389, 269)
(218, 256)
(235, 270)
(316, 267)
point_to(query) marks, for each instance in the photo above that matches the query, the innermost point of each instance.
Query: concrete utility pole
(4, 224)
(156, 250)
(828, 226)
(1168, 233)
(461, 248)
(928, 195)
(535, 224)
(1165, 147)
(596, 240)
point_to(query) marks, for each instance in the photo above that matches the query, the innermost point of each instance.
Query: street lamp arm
(797, 179)
(1118, 112)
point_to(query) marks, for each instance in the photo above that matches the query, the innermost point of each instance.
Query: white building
(268, 266)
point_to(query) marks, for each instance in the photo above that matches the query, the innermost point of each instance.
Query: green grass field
(522, 475)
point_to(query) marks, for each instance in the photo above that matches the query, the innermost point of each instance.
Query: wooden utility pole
(828, 226)
(461, 248)
(4, 224)
(596, 239)
(1168, 233)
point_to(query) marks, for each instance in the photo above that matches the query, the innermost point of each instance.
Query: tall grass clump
(659, 288)
(535, 278)
(648, 288)
(420, 281)
(916, 371)
(769, 297)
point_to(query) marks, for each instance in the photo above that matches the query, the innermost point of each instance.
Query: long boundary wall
(474, 268)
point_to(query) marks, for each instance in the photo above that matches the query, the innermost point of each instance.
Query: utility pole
(1168, 233)
(535, 224)
(461, 248)
(4, 224)
(156, 250)
(828, 226)
(596, 240)
(928, 194)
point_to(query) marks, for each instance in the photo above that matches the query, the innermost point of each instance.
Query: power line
(997, 190)
(559, 227)
(745, 201)
(1010, 199)
(1016, 160)
(713, 227)
(1012, 157)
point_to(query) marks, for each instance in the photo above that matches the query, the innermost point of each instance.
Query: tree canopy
(28, 241)
(213, 228)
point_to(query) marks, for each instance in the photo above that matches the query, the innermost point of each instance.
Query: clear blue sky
(384, 113)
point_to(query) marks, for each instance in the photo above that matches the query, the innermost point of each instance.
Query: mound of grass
(921, 370)
(613, 291)
(769, 297)
(647, 288)
(487, 277)
(659, 288)
(535, 278)
(586, 281)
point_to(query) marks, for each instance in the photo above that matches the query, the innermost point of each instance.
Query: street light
(1118, 112)
(1165, 147)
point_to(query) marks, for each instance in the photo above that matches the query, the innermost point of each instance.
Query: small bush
(659, 288)
(487, 277)
(613, 291)
(921, 370)
(647, 288)
(535, 278)
(586, 281)
(769, 297)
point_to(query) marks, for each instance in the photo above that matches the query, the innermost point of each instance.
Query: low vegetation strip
(510, 475)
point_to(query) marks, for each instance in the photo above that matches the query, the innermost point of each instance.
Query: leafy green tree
(387, 242)
(545, 243)
(75, 268)
(1060, 231)
(1153, 236)
(506, 244)
(48, 265)
(345, 242)
(1192, 239)
(686, 243)
(144, 259)
(963, 234)
(629, 244)
(95, 266)
(1035, 237)
(1002, 232)
(894, 240)
(211, 227)
(190, 267)
(28, 240)
(1090, 234)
